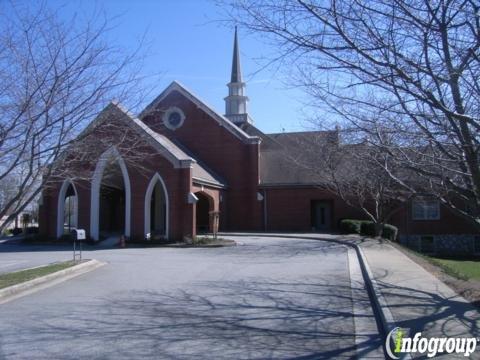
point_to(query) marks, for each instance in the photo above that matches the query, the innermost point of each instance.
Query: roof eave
(204, 182)
(221, 120)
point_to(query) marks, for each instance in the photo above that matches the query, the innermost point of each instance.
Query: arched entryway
(156, 210)
(112, 202)
(67, 208)
(110, 197)
(204, 206)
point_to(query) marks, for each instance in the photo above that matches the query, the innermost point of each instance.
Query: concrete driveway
(265, 298)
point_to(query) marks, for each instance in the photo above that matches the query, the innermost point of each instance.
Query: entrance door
(204, 206)
(321, 215)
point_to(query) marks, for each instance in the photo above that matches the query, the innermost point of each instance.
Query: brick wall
(289, 209)
(178, 183)
(221, 151)
(449, 223)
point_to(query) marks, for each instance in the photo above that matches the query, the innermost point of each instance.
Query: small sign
(80, 234)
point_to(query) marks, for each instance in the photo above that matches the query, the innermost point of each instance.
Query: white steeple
(236, 101)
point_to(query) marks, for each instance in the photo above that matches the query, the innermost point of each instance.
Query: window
(173, 118)
(427, 244)
(423, 209)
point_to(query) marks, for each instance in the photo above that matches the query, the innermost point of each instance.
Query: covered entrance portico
(110, 203)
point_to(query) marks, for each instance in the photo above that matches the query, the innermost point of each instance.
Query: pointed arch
(61, 206)
(110, 154)
(147, 210)
(204, 206)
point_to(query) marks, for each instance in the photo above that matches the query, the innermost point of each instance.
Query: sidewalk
(416, 299)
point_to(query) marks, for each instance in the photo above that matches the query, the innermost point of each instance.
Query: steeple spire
(236, 101)
(236, 70)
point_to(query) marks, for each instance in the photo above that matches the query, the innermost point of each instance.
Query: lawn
(18, 277)
(463, 269)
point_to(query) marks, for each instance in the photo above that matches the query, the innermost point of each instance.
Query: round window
(173, 118)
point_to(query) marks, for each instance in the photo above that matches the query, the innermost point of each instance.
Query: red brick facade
(208, 142)
(229, 157)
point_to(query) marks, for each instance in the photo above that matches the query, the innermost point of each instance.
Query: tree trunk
(378, 229)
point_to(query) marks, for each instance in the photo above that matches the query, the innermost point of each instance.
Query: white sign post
(78, 235)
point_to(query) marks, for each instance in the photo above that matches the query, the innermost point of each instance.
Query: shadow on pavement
(213, 320)
(429, 312)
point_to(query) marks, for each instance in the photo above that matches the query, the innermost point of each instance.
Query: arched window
(67, 208)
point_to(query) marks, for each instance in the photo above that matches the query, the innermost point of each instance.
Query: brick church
(205, 164)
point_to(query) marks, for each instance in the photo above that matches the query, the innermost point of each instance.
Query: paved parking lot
(265, 298)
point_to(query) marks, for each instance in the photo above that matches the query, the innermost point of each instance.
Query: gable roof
(162, 144)
(284, 164)
(173, 153)
(220, 119)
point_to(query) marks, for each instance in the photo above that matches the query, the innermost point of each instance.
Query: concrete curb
(363, 328)
(382, 314)
(28, 287)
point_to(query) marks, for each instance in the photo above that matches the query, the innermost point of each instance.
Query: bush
(32, 230)
(349, 226)
(367, 228)
(389, 232)
(16, 231)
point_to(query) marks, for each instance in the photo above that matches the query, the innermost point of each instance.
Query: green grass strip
(462, 269)
(459, 268)
(21, 276)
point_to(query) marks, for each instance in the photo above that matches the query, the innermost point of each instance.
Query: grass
(462, 269)
(204, 240)
(18, 277)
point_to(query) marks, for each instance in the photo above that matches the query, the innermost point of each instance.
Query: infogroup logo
(398, 344)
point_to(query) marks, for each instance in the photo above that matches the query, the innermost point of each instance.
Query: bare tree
(55, 76)
(351, 169)
(405, 73)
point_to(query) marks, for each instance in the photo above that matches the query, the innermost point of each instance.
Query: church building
(206, 168)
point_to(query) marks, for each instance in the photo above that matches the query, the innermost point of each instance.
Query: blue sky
(190, 45)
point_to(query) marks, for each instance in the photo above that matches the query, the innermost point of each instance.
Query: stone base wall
(466, 244)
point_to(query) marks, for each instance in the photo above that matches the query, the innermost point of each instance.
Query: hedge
(349, 226)
(389, 232)
(367, 228)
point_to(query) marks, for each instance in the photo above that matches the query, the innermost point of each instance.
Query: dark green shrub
(390, 232)
(349, 226)
(16, 231)
(32, 230)
(367, 228)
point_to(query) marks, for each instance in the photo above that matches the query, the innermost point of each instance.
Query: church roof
(283, 156)
(172, 152)
(222, 120)
(292, 163)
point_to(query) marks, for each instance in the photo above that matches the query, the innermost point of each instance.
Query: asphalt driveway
(265, 298)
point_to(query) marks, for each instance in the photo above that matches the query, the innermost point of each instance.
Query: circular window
(173, 118)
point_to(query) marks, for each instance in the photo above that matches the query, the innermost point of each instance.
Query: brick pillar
(254, 176)
(43, 213)
(188, 210)
(83, 193)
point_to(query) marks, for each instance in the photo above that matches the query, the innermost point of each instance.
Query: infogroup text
(398, 344)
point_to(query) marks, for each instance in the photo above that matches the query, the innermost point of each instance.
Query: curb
(383, 316)
(28, 287)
